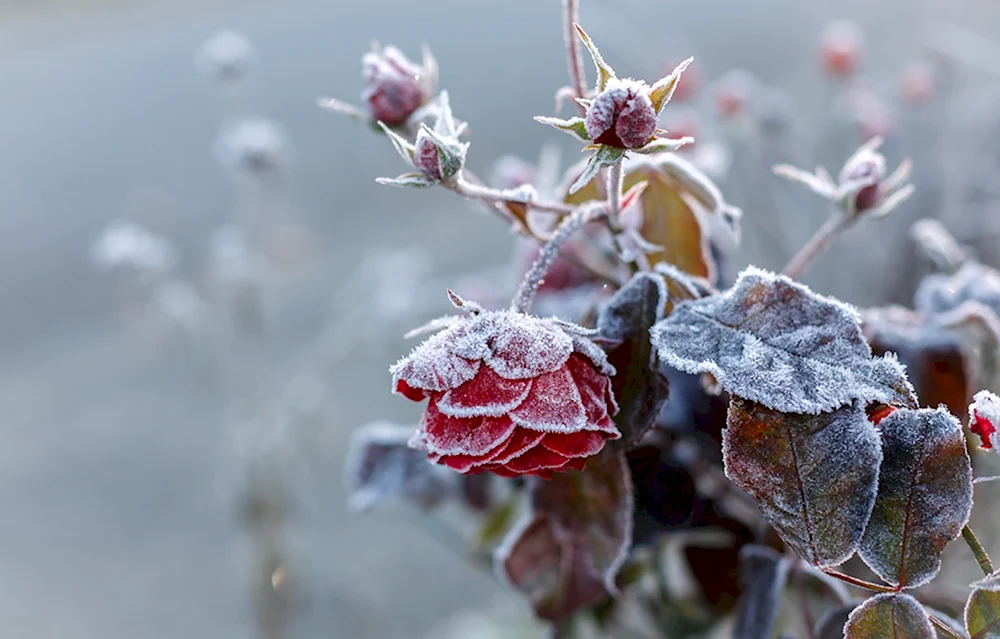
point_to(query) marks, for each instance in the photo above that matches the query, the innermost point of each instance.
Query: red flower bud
(840, 48)
(917, 83)
(733, 92)
(622, 115)
(393, 89)
(984, 418)
(427, 159)
(868, 166)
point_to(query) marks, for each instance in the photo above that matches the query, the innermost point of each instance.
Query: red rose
(984, 419)
(509, 393)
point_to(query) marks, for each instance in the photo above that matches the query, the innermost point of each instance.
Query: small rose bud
(868, 165)
(427, 159)
(395, 87)
(917, 83)
(733, 93)
(984, 418)
(840, 48)
(622, 115)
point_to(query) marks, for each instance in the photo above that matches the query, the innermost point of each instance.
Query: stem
(860, 583)
(496, 196)
(944, 628)
(978, 551)
(817, 245)
(532, 280)
(616, 182)
(571, 16)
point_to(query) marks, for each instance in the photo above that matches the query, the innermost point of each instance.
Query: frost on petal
(485, 394)
(813, 476)
(434, 365)
(535, 459)
(582, 444)
(463, 435)
(982, 611)
(939, 293)
(889, 615)
(520, 442)
(522, 346)
(380, 465)
(984, 419)
(566, 553)
(924, 496)
(777, 343)
(553, 405)
(596, 395)
(763, 574)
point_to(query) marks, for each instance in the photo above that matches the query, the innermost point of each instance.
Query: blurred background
(131, 445)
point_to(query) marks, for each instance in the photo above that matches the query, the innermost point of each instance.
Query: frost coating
(982, 611)
(973, 281)
(813, 477)
(890, 615)
(924, 496)
(622, 115)
(777, 343)
(509, 393)
(984, 419)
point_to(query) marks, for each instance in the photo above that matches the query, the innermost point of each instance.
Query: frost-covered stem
(571, 17)
(616, 182)
(978, 551)
(817, 245)
(475, 191)
(944, 628)
(532, 280)
(860, 583)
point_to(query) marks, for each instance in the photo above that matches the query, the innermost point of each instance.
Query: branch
(571, 17)
(978, 551)
(860, 583)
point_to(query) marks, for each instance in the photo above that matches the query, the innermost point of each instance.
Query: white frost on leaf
(774, 341)
(973, 281)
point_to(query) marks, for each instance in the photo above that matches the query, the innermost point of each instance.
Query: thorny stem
(571, 16)
(944, 628)
(818, 244)
(860, 583)
(978, 551)
(532, 280)
(495, 196)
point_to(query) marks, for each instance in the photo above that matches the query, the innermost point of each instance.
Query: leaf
(763, 575)
(982, 611)
(889, 616)
(380, 465)
(973, 281)
(661, 91)
(566, 553)
(774, 341)
(956, 627)
(577, 127)
(624, 322)
(831, 624)
(924, 496)
(813, 476)
(604, 156)
(418, 180)
(402, 146)
(604, 71)
(664, 145)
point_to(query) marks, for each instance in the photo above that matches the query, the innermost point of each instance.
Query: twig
(571, 17)
(616, 182)
(817, 245)
(944, 628)
(476, 191)
(860, 583)
(978, 551)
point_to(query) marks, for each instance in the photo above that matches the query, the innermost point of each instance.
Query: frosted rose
(509, 393)
(393, 89)
(622, 115)
(984, 419)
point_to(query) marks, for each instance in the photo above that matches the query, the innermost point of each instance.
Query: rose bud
(917, 83)
(868, 167)
(840, 48)
(733, 92)
(622, 115)
(437, 154)
(395, 87)
(984, 418)
(509, 393)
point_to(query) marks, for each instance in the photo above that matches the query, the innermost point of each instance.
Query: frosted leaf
(565, 554)
(624, 322)
(984, 420)
(124, 244)
(254, 147)
(889, 616)
(973, 281)
(831, 624)
(924, 496)
(982, 611)
(938, 245)
(380, 465)
(813, 476)
(774, 341)
(763, 574)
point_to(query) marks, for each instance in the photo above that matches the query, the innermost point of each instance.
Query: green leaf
(404, 148)
(576, 127)
(663, 89)
(604, 71)
(604, 156)
(982, 611)
(889, 616)
(566, 554)
(418, 180)
(924, 496)
(664, 145)
(813, 476)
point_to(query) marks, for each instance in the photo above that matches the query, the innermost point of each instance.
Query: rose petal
(485, 394)
(521, 441)
(432, 366)
(553, 405)
(582, 444)
(474, 436)
(575, 464)
(534, 459)
(407, 391)
(523, 346)
(595, 394)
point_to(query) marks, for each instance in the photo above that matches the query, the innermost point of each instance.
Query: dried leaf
(813, 476)
(763, 575)
(924, 496)
(380, 465)
(889, 616)
(774, 341)
(982, 611)
(566, 553)
(624, 322)
(831, 624)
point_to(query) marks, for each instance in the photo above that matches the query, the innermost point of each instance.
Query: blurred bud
(733, 92)
(775, 112)
(239, 273)
(917, 83)
(255, 148)
(867, 167)
(873, 116)
(840, 48)
(395, 87)
(510, 172)
(123, 244)
(226, 55)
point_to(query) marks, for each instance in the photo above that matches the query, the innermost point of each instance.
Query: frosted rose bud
(622, 115)
(840, 48)
(917, 84)
(393, 89)
(509, 393)
(867, 165)
(984, 419)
